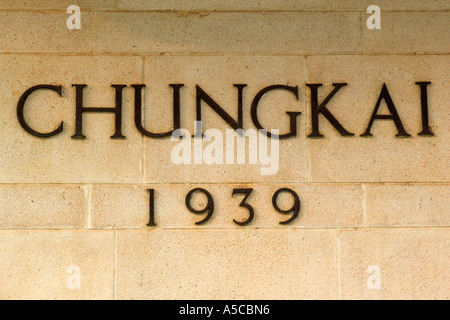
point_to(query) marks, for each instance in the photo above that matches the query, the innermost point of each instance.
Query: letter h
(80, 109)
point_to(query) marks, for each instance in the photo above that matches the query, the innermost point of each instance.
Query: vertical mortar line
(364, 213)
(361, 26)
(143, 158)
(115, 266)
(338, 265)
(93, 31)
(308, 161)
(88, 211)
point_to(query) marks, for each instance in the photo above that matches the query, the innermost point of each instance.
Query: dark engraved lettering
(138, 111)
(292, 115)
(295, 208)
(393, 116)
(426, 129)
(80, 109)
(235, 123)
(251, 211)
(21, 106)
(152, 208)
(316, 109)
(209, 208)
(203, 96)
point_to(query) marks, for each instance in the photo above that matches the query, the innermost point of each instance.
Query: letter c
(21, 106)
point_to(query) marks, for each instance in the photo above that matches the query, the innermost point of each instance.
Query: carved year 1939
(208, 209)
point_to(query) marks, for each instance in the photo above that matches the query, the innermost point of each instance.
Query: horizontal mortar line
(53, 230)
(197, 11)
(302, 54)
(424, 227)
(286, 182)
(361, 228)
(169, 184)
(51, 10)
(42, 229)
(205, 10)
(353, 229)
(228, 228)
(292, 54)
(206, 54)
(70, 54)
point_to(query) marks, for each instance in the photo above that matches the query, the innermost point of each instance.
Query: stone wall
(374, 218)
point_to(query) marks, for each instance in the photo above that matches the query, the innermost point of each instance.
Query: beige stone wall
(372, 208)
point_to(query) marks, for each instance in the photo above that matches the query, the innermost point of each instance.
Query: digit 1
(152, 208)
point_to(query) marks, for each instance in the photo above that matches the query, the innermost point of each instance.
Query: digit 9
(295, 210)
(209, 208)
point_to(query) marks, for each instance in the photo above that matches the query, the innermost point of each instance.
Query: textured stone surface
(57, 4)
(322, 206)
(408, 205)
(43, 32)
(408, 5)
(229, 32)
(413, 264)
(408, 32)
(231, 5)
(34, 265)
(42, 207)
(226, 265)
(216, 76)
(224, 5)
(61, 159)
(383, 157)
(378, 203)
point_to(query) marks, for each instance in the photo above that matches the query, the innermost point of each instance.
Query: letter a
(374, 281)
(393, 116)
(74, 21)
(74, 281)
(374, 21)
